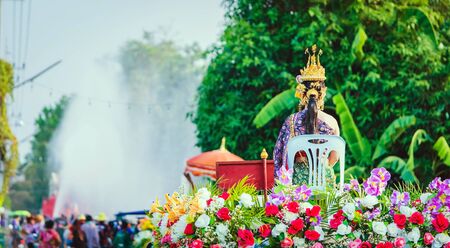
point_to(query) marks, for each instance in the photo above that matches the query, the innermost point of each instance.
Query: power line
(37, 75)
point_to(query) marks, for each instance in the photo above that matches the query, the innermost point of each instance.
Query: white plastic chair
(317, 154)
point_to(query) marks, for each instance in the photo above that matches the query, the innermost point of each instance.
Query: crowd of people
(82, 231)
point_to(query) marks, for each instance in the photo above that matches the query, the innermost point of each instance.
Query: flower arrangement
(362, 215)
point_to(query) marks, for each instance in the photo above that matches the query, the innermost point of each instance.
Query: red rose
(265, 230)
(208, 202)
(272, 210)
(225, 195)
(189, 229)
(224, 214)
(447, 245)
(215, 246)
(334, 223)
(417, 218)
(428, 238)
(245, 238)
(313, 212)
(292, 207)
(296, 226)
(287, 242)
(400, 220)
(399, 242)
(197, 243)
(365, 244)
(312, 235)
(440, 223)
(385, 245)
(339, 215)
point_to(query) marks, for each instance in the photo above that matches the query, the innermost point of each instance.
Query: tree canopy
(388, 59)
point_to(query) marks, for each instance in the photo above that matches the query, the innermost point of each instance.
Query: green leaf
(358, 43)
(284, 100)
(391, 134)
(359, 146)
(423, 21)
(443, 150)
(393, 163)
(419, 137)
(355, 172)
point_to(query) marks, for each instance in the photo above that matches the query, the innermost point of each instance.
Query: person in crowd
(123, 237)
(104, 230)
(48, 237)
(77, 236)
(30, 232)
(15, 228)
(61, 226)
(91, 231)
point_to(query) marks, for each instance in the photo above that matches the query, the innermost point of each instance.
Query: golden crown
(313, 71)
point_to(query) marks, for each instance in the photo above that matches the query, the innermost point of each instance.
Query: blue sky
(83, 34)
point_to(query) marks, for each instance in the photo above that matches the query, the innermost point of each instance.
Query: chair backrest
(317, 148)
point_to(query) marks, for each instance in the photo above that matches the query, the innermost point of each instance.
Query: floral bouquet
(362, 215)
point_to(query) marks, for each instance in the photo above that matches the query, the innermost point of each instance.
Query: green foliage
(392, 133)
(443, 150)
(278, 104)
(28, 194)
(359, 145)
(387, 58)
(9, 154)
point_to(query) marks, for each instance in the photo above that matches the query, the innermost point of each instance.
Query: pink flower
(355, 243)
(399, 242)
(215, 246)
(428, 238)
(197, 243)
(317, 245)
(287, 242)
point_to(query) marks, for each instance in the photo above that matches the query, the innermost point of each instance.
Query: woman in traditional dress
(310, 119)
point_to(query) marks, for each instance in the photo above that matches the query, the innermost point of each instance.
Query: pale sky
(83, 33)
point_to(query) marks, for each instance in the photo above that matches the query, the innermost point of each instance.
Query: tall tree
(387, 58)
(29, 193)
(9, 154)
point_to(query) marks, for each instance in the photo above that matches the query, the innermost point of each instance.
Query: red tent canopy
(204, 164)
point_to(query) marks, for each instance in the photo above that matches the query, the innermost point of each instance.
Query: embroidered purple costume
(293, 126)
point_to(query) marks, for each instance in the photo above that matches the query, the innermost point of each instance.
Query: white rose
(414, 235)
(279, 229)
(343, 229)
(217, 203)
(379, 228)
(320, 231)
(178, 228)
(299, 242)
(407, 211)
(349, 210)
(425, 197)
(202, 221)
(204, 193)
(393, 230)
(222, 232)
(440, 240)
(304, 206)
(369, 201)
(246, 200)
(289, 216)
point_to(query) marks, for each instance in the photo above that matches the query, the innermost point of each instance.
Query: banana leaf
(284, 100)
(358, 43)
(399, 166)
(358, 145)
(443, 150)
(354, 172)
(423, 21)
(419, 137)
(391, 134)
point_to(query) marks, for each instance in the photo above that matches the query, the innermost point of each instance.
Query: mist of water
(115, 156)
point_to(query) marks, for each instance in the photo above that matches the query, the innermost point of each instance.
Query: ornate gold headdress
(311, 78)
